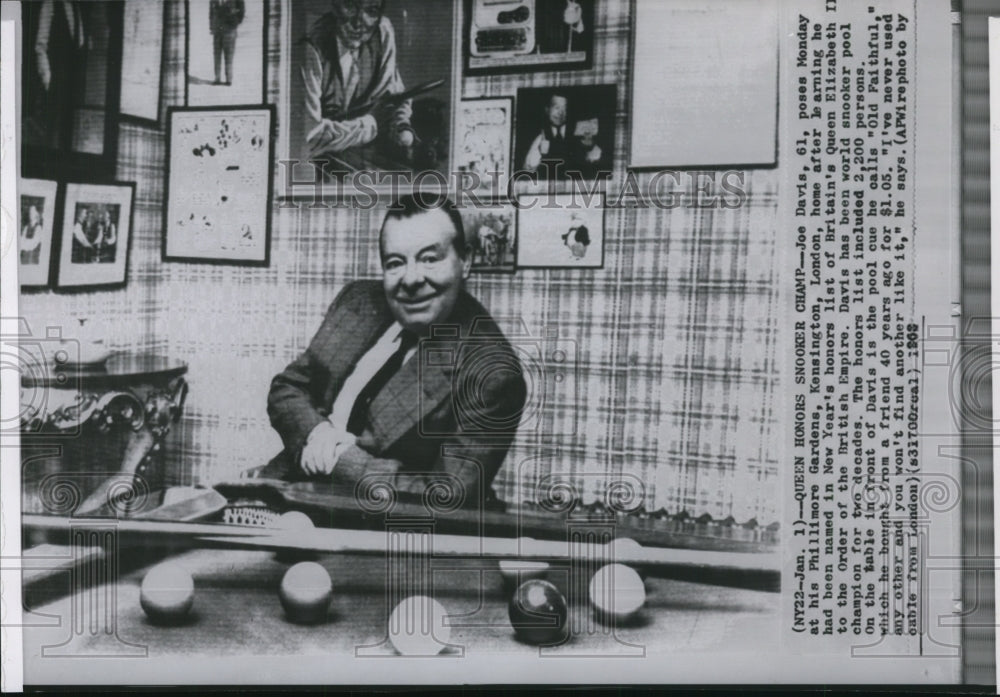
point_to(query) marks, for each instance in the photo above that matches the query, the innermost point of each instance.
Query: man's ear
(467, 265)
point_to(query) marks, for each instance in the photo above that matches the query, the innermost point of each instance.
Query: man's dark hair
(409, 205)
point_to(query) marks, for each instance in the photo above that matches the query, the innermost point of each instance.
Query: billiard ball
(626, 548)
(167, 593)
(306, 592)
(617, 592)
(417, 627)
(514, 572)
(292, 521)
(538, 612)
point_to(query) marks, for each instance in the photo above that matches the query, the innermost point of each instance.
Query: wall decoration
(560, 231)
(225, 47)
(705, 84)
(566, 132)
(386, 105)
(519, 35)
(142, 60)
(219, 176)
(96, 231)
(483, 138)
(491, 234)
(70, 83)
(34, 243)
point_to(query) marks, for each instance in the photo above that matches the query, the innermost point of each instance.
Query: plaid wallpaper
(674, 379)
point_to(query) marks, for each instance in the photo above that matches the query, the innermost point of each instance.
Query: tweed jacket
(446, 419)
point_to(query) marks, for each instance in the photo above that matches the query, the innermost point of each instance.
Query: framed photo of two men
(369, 86)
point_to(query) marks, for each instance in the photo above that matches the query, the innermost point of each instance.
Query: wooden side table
(67, 411)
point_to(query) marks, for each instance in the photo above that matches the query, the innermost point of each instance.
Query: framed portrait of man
(369, 92)
(565, 132)
(71, 77)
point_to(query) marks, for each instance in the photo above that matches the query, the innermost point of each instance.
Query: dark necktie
(359, 412)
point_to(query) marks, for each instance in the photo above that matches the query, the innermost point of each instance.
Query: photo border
(25, 186)
(266, 261)
(604, 230)
(60, 238)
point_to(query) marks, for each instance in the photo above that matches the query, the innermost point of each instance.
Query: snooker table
(83, 623)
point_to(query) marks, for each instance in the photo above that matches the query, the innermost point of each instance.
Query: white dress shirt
(363, 372)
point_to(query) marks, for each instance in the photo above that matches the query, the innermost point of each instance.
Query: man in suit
(408, 382)
(224, 19)
(563, 149)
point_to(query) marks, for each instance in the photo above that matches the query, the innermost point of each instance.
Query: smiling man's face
(422, 272)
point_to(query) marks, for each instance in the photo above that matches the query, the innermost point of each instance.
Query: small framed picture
(560, 231)
(520, 35)
(566, 132)
(220, 169)
(34, 243)
(142, 60)
(96, 232)
(225, 42)
(483, 140)
(491, 234)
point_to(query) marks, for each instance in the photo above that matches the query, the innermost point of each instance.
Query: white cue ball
(617, 592)
(624, 548)
(305, 593)
(417, 628)
(294, 520)
(167, 592)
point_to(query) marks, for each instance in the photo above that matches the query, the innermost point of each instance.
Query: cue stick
(376, 542)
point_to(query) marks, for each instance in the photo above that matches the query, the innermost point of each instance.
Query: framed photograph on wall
(220, 167)
(96, 233)
(483, 140)
(491, 235)
(34, 242)
(142, 60)
(704, 84)
(225, 45)
(368, 92)
(562, 234)
(521, 35)
(70, 80)
(566, 132)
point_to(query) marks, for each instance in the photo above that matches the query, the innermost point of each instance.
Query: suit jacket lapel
(356, 333)
(424, 382)
(408, 396)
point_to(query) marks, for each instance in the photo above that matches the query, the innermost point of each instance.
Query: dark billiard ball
(167, 593)
(538, 612)
(306, 592)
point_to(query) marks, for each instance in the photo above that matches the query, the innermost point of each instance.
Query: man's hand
(323, 448)
(594, 154)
